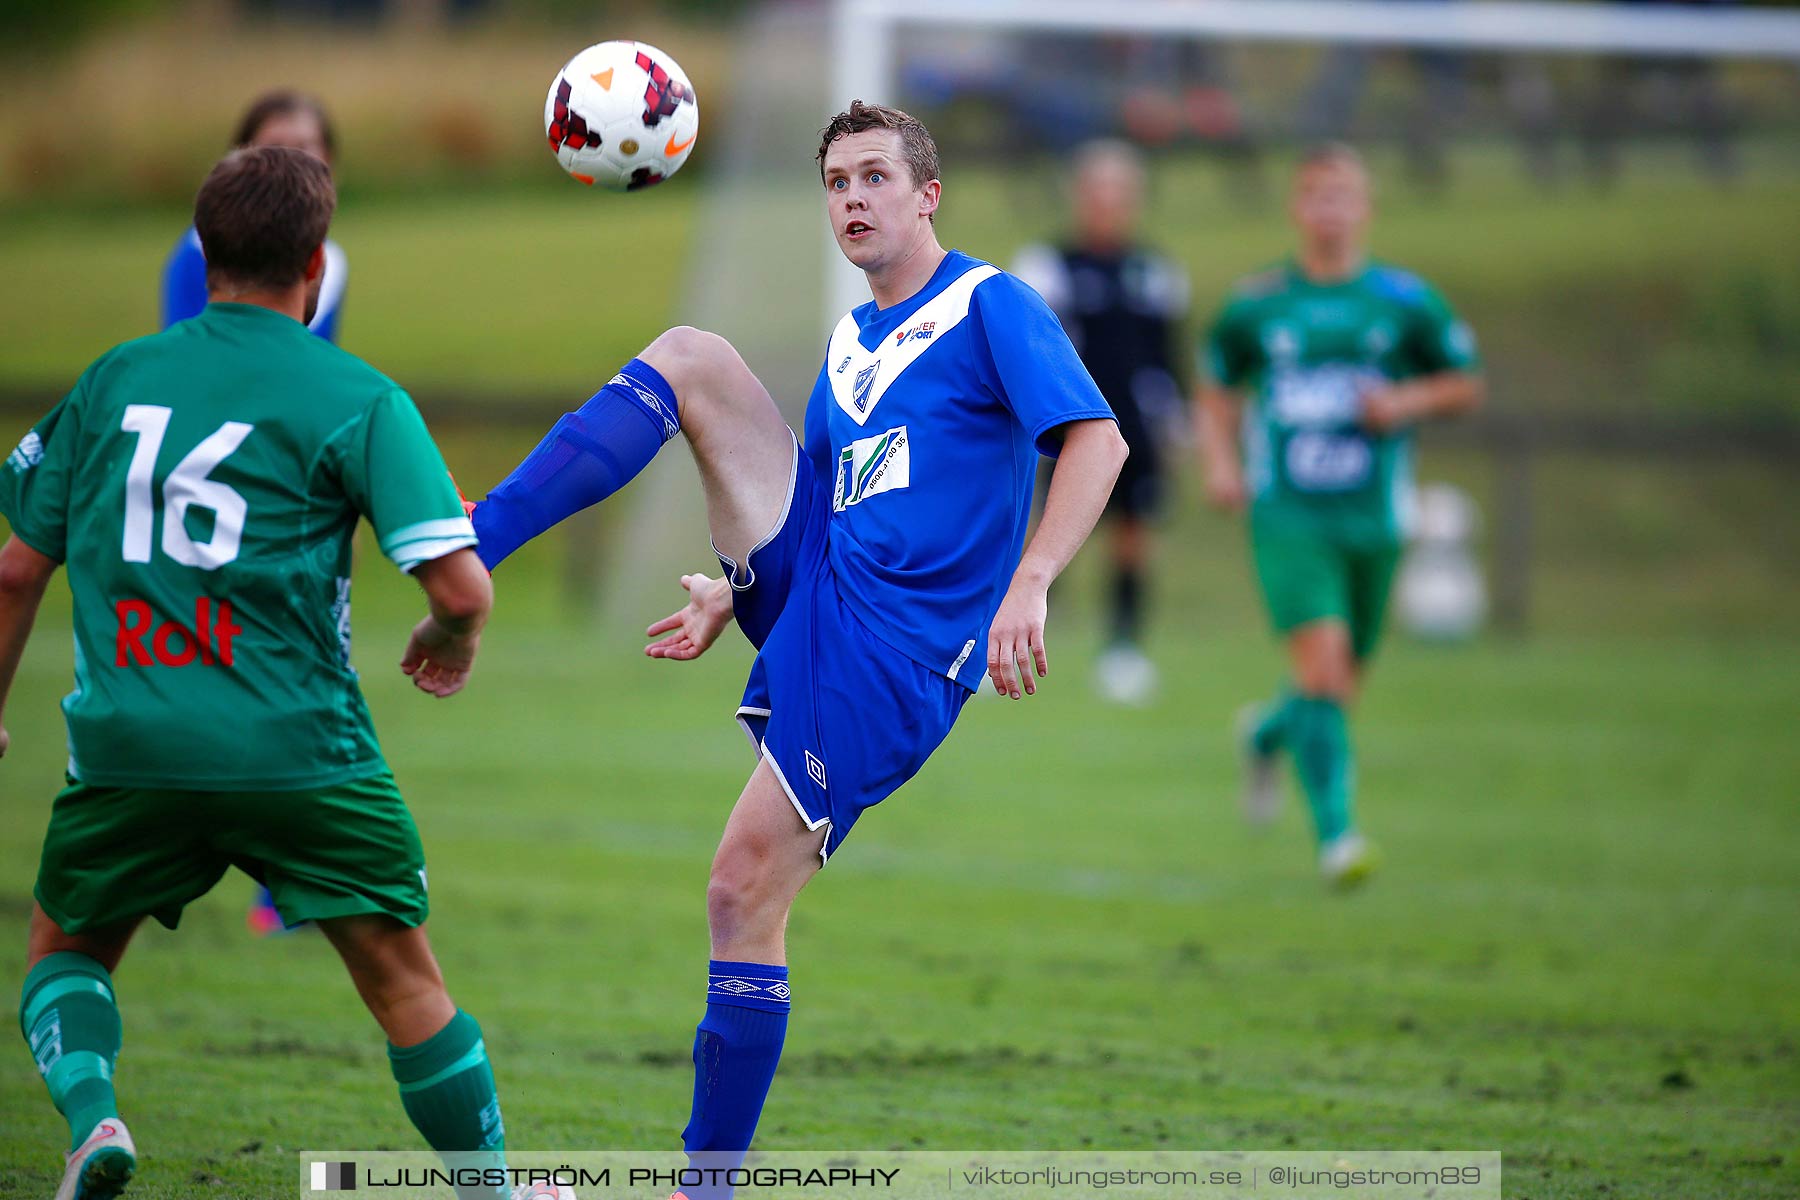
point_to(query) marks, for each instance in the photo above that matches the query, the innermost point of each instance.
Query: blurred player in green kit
(202, 486)
(1318, 372)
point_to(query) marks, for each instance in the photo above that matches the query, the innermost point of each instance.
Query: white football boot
(1348, 860)
(100, 1167)
(1125, 677)
(543, 1191)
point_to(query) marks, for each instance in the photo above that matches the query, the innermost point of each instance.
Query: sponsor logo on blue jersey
(869, 466)
(922, 332)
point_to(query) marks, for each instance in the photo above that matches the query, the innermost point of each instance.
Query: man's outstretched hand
(694, 627)
(1016, 640)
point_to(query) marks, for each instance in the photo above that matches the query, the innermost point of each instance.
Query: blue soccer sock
(447, 1088)
(736, 1048)
(587, 456)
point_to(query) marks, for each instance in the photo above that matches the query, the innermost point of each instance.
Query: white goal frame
(864, 35)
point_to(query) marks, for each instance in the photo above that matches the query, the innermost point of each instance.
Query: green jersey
(202, 486)
(1303, 353)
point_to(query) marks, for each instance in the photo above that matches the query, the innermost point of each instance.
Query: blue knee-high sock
(587, 456)
(736, 1048)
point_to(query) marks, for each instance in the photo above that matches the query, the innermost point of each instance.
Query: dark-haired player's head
(1107, 194)
(880, 170)
(262, 215)
(287, 118)
(1331, 202)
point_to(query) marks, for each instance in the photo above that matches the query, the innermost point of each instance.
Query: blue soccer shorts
(842, 717)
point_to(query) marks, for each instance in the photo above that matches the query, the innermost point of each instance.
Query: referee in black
(1122, 305)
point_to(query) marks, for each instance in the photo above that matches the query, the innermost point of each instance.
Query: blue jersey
(184, 285)
(928, 418)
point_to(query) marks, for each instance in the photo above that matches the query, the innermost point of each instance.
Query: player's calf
(435, 1050)
(764, 859)
(587, 456)
(70, 1019)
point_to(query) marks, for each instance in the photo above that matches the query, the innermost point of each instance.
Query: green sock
(69, 1018)
(1270, 733)
(1319, 737)
(447, 1088)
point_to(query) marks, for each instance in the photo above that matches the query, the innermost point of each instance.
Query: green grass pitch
(1584, 951)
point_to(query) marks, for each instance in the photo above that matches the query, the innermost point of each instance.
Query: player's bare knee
(1327, 682)
(694, 362)
(734, 904)
(743, 887)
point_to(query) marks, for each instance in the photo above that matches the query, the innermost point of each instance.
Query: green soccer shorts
(1307, 576)
(116, 853)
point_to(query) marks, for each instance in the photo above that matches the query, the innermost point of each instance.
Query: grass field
(1584, 952)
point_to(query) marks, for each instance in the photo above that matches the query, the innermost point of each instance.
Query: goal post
(865, 33)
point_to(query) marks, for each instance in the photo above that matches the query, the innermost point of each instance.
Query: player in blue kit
(279, 118)
(875, 563)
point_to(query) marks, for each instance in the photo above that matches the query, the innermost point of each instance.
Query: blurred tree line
(23, 22)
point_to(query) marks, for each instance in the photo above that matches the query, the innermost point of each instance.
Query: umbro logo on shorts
(815, 770)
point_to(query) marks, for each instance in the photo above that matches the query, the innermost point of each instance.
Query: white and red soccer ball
(621, 115)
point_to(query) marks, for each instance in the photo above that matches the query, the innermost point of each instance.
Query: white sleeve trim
(424, 552)
(426, 531)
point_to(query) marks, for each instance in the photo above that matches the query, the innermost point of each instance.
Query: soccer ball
(621, 115)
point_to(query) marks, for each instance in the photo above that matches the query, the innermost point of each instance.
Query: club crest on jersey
(864, 385)
(869, 466)
(922, 332)
(859, 384)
